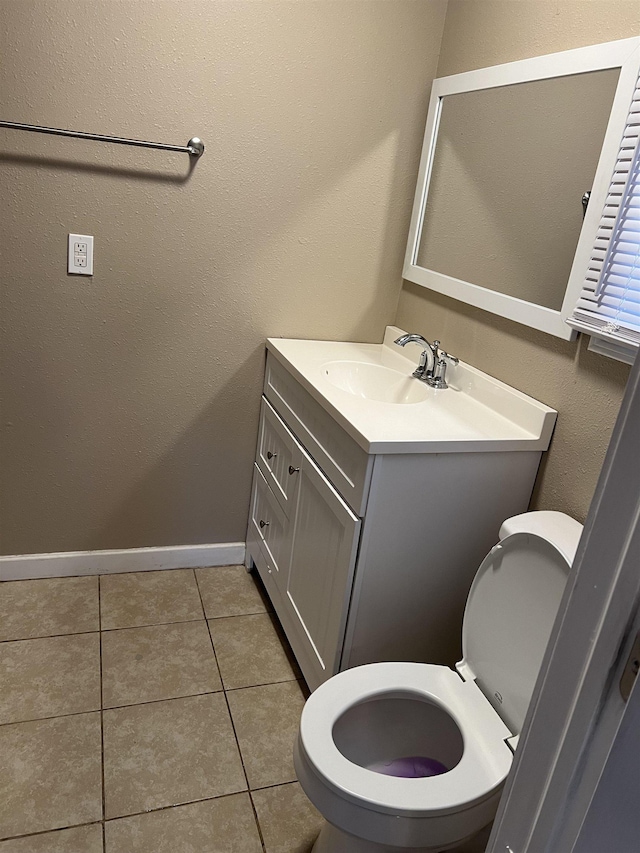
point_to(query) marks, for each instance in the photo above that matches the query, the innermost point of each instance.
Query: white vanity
(376, 497)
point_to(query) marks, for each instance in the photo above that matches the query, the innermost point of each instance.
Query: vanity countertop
(477, 413)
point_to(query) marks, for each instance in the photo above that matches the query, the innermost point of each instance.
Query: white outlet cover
(80, 254)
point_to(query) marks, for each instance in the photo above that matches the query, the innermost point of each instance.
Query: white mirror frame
(623, 54)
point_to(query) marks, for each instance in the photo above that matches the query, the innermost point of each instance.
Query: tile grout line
(98, 574)
(117, 628)
(51, 717)
(165, 699)
(264, 684)
(151, 624)
(213, 649)
(143, 813)
(146, 812)
(253, 807)
(298, 678)
(104, 841)
(255, 817)
(233, 727)
(178, 805)
(47, 636)
(48, 831)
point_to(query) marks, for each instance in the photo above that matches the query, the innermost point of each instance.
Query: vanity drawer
(269, 527)
(278, 456)
(345, 464)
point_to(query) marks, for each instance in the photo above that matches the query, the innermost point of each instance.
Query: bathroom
(131, 398)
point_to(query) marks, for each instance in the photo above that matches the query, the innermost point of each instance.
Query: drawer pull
(264, 523)
(293, 470)
(271, 455)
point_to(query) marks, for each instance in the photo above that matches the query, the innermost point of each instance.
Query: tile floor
(152, 712)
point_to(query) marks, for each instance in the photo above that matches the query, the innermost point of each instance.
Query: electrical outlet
(80, 254)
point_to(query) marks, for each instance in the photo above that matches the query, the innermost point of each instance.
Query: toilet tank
(512, 606)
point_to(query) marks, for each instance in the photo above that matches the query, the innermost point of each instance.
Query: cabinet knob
(271, 455)
(293, 470)
(263, 523)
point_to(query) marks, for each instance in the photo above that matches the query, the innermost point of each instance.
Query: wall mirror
(509, 151)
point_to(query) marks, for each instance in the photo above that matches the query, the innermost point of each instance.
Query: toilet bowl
(461, 725)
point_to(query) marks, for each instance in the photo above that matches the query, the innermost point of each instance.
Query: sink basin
(374, 382)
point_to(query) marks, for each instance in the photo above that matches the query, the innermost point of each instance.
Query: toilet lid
(511, 608)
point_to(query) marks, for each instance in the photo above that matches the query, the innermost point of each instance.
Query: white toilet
(463, 723)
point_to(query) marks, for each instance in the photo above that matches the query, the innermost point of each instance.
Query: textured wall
(585, 388)
(130, 400)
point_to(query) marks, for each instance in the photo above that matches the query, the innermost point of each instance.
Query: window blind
(609, 304)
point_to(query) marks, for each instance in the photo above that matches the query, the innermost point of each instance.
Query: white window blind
(609, 304)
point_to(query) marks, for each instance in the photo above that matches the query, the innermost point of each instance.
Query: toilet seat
(484, 765)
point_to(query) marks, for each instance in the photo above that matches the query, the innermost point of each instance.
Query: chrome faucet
(427, 363)
(432, 366)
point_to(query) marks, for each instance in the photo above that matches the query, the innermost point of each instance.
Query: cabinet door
(319, 579)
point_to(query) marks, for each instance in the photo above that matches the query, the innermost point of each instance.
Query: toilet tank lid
(558, 529)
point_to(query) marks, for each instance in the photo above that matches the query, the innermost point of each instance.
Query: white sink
(375, 382)
(362, 385)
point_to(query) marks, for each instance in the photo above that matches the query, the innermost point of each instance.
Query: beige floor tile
(44, 608)
(225, 825)
(149, 598)
(80, 839)
(169, 753)
(50, 774)
(49, 677)
(266, 721)
(250, 651)
(157, 662)
(289, 822)
(230, 591)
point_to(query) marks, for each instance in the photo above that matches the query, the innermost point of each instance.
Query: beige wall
(585, 388)
(130, 400)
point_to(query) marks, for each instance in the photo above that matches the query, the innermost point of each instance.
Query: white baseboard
(31, 566)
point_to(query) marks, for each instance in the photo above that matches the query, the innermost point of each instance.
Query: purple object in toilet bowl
(411, 767)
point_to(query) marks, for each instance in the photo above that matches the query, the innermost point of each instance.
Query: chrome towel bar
(194, 147)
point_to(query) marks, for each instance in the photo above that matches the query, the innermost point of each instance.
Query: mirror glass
(510, 166)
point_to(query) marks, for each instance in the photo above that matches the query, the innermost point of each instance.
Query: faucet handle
(440, 369)
(449, 357)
